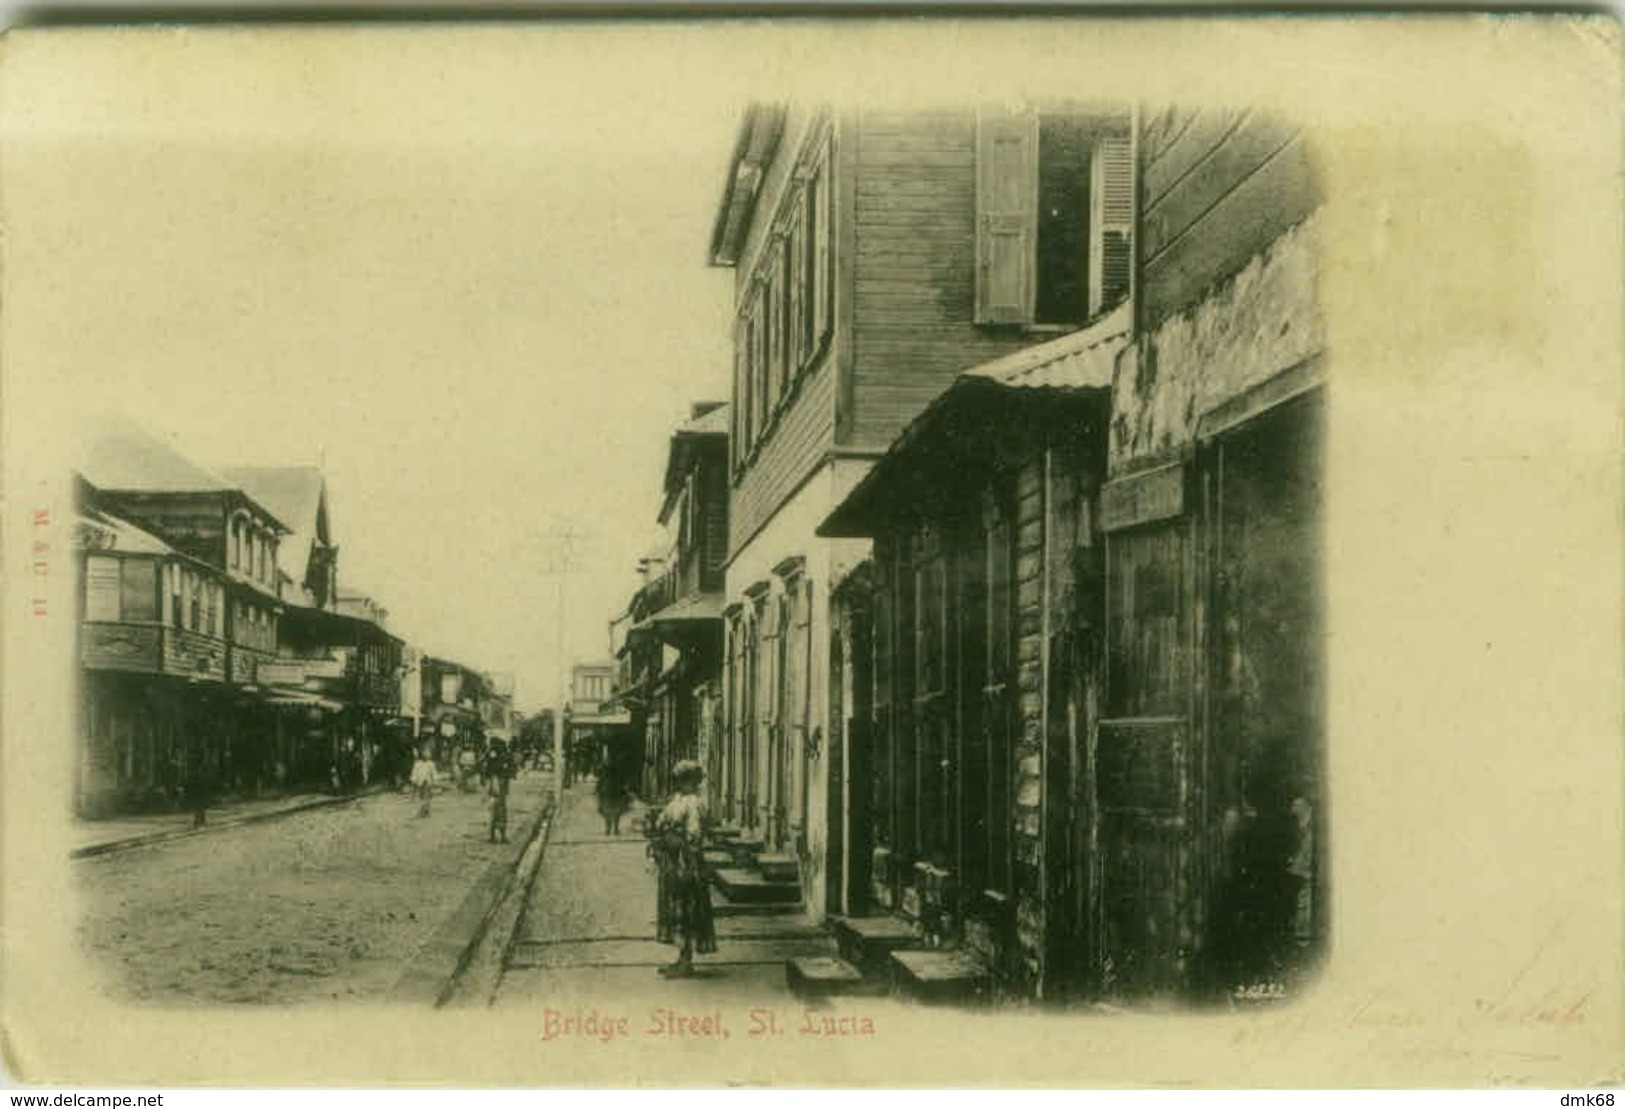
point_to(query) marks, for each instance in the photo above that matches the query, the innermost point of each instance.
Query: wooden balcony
(152, 649)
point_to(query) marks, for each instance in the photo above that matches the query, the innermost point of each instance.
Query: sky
(472, 287)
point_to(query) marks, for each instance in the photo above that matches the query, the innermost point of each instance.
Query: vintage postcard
(813, 552)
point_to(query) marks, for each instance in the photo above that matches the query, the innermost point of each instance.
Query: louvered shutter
(101, 588)
(798, 288)
(1111, 223)
(823, 294)
(1006, 217)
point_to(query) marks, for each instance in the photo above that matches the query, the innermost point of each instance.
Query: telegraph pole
(561, 566)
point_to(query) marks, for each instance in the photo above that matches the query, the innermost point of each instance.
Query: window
(772, 378)
(101, 588)
(783, 355)
(1055, 215)
(236, 543)
(194, 618)
(786, 316)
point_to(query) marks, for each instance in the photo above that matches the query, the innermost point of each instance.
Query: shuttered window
(101, 588)
(772, 379)
(1111, 222)
(139, 590)
(1055, 217)
(1007, 216)
(784, 362)
(796, 282)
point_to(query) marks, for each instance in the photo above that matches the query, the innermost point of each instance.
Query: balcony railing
(688, 577)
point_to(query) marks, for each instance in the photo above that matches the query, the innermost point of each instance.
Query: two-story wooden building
(1081, 675)
(335, 679)
(179, 608)
(680, 608)
(878, 255)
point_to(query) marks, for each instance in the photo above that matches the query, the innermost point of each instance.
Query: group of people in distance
(496, 767)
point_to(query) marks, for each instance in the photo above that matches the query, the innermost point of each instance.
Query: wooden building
(679, 608)
(179, 609)
(592, 719)
(337, 670)
(878, 255)
(1080, 683)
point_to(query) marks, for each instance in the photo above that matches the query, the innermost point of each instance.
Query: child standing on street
(423, 780)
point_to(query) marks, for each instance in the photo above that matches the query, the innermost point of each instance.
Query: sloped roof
(1081, 360)
(1050, 376)
(116, 534)
(295, 494)
(713, 422)
(709, 425)
(119, 455)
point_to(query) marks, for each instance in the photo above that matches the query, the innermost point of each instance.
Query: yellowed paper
(1471, 286)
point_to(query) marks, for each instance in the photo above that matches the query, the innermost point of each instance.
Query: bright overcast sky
(472, 284)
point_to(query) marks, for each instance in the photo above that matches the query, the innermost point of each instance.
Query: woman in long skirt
(677, 843)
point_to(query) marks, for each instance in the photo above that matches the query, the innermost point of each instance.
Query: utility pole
(561, 565)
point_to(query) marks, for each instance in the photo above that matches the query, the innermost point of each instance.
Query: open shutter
(1006, 216)
(822, 193)
(1111, 223)
(101, 588)
(798, 343)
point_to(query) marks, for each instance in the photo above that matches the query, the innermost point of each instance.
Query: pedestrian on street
(499, 771)
(613, 793)
(683, 895)
(197, 790)
(423, 776)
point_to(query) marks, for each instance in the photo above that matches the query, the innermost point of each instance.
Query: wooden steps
(752, 887)
(779, 867)
(942, 977)
(820, 976)
(868, 941)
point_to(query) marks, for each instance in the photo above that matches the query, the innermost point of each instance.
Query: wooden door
(1142, 766)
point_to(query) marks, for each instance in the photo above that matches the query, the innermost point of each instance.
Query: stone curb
(131, 842)
(438, 966)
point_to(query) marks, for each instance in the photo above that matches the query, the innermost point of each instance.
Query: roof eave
(759, 134)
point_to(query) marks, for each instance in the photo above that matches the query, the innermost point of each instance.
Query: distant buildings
(218, 652)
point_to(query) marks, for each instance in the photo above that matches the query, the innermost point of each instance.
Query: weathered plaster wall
(1264, 319)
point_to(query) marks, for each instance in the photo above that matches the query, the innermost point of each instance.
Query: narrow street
(587, 933)
(332, 903)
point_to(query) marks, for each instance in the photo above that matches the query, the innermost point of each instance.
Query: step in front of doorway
(779, 867)
(952, 977)
(868, 941)
(817, 976)
(724, 906)
(751, 887)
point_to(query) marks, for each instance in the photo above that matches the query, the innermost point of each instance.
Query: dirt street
(329, 904)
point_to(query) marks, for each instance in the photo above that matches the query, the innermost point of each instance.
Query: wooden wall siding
(794, 449)
(913, 283)
(129, 647)
(193, 654)
(1028, 785)
(194, 525)
(1217, 188)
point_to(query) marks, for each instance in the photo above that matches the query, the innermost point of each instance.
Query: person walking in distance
(423, 776)
(612, 791)
(498, 771)
(677, 843)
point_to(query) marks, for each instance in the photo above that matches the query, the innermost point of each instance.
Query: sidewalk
(119, 833)
(588, 931)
